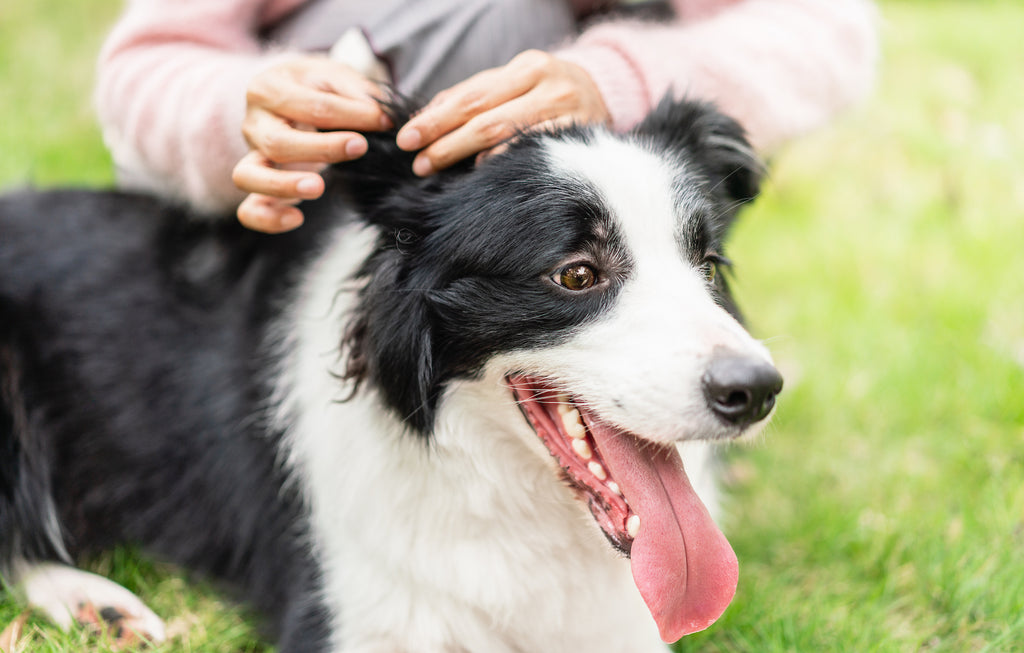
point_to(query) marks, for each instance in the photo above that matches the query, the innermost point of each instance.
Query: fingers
(482, 132)
(320, 108)
(471, 117)
(278, 141)
(273, 192)
(285, 106)
(268, 214)
(457, 105)
(534, 90)
(488, 132)
(545, 126)
(319, 92)
(256, 174)
(287, 103)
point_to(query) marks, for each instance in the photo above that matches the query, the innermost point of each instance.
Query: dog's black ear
(380, 185)
(389, 342)
(364, 183)
(714, 141)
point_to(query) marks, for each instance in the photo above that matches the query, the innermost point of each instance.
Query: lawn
(884, 508)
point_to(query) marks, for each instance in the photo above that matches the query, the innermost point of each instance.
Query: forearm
(171, 98)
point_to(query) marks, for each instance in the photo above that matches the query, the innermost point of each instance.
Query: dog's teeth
(596, 469)
(614, 487)
(633, 525)
(573, 423)
(564, 405)
(582, 449)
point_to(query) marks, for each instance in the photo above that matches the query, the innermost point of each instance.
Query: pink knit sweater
(172, 76)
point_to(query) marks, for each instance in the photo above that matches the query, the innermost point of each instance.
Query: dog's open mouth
(641, 498)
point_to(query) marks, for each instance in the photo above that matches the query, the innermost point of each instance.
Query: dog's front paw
(68, 595)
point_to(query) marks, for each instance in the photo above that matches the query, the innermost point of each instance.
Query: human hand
(533, 91)
(285, 106)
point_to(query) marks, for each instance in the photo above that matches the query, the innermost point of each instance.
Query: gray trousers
(429, 45)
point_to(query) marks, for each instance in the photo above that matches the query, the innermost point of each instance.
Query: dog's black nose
(741, 390)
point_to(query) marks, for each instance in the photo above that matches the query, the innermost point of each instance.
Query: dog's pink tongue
(682, 564)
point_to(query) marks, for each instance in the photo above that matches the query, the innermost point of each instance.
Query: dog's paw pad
(118, 626)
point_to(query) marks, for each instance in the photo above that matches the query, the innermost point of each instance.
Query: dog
(445, 415)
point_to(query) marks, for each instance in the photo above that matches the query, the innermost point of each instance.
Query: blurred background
(884, 265)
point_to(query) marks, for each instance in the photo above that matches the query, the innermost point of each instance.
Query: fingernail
(290, 220)
(355, 148)
(309, 187)
(409, 139)
(422, 167)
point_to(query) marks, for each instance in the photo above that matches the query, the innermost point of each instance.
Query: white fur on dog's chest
(457, 548)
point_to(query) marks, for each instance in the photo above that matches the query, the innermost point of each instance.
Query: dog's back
(131, 367)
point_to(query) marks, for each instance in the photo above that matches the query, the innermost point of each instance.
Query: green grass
(48, 52)
(884, 509)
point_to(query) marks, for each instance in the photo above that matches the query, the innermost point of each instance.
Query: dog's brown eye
(711, 262)
(577, 277)
(710, 270)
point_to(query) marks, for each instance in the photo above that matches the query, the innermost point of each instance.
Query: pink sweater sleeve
(172, 76)
(170, 93)
(780, 67)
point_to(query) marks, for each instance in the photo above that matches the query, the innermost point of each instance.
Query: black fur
(133, 357)
(134, 349)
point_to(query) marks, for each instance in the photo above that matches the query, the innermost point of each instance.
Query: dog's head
(585, 269)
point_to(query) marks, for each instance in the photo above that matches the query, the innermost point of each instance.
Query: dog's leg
(68, 595)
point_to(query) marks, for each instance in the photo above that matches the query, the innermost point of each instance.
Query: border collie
(444, 416)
